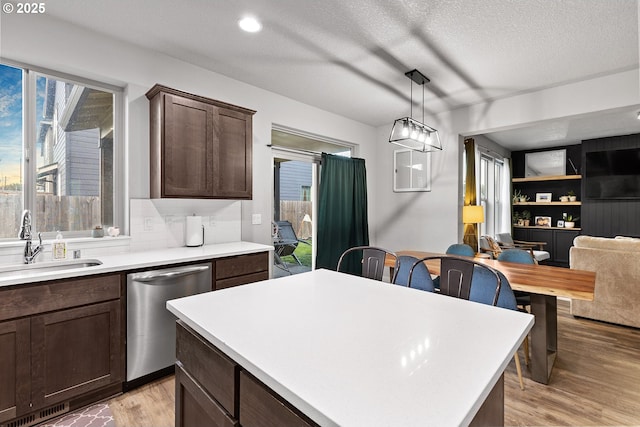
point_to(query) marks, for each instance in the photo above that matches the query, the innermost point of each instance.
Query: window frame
(29, 155)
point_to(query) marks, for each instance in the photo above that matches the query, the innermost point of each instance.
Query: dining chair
(460, 249)
(371, 258)
(523, 299)
(467, 279)
(421, 279)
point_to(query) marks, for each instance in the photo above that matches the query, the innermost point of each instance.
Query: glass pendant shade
(412, 134)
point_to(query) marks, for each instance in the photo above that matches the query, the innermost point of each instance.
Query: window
(491, 194)
(56, 152)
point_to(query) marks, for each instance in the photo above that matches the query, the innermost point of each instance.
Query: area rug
(98, 415)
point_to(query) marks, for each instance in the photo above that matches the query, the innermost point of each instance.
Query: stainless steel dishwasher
(151, 328)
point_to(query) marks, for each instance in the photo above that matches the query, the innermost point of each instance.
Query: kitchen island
(325, 348)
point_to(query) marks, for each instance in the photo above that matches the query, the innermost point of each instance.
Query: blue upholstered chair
(460, 249)
(522, 257)
(421, 279)
(482, 291)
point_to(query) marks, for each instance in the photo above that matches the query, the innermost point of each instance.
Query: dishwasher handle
(178, 272)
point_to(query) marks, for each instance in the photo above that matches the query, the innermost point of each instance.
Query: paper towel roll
(194, 234)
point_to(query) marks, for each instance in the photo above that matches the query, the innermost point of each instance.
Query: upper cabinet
(200, 147)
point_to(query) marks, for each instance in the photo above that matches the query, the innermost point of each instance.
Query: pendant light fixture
(411, 133)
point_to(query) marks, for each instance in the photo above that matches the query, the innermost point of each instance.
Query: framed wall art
(542, 221)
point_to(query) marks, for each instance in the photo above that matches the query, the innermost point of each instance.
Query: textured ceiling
(349, 57)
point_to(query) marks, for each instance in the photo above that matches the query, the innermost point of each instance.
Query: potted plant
(517, 218)
(516, 196)
(572, 196)
(570, 221)
(526, 218)
(524, 198)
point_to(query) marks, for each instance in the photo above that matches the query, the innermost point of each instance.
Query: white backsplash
(160, 223)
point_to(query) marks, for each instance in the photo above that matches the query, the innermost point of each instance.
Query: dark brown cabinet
(200, 147)
(241, 269)
(64, 344)
(212, 389)
(15, 387)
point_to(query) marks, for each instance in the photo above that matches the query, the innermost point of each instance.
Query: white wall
(428, 221)
(46, 42)
(431, 221)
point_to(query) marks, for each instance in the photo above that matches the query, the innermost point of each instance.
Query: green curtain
(470, 230)
(342, 211)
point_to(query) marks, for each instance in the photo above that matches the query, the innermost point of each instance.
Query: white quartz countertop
(135, 260)
(349, 351)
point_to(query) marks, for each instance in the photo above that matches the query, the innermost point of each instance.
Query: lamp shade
(472, 214)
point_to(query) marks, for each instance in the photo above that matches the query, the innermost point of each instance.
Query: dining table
(545, 283)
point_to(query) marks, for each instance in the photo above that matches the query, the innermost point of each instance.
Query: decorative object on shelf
(544, 163)
(564, 199)
(570, 221)
(543, 197)
(572, 196)
(524, 198)
(543, 221)
(517, 218)
(516, 196)
(410, 133)
(560, 223)
(526, 218)
(472, 214)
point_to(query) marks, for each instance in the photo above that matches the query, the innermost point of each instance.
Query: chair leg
(526, 350)
(519, 370)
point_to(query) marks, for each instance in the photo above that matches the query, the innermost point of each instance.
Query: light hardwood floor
(595, 382)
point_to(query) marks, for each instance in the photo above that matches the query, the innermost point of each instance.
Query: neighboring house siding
(83, 163)
(294, 176)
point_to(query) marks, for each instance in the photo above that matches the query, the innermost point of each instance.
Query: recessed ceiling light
(250, 24)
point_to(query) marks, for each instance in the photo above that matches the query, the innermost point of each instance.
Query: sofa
(616, 262)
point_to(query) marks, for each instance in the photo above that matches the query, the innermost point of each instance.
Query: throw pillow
(494, 247)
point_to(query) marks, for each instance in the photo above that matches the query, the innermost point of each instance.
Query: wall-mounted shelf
(547, 204)
(546, 178)
(547, 228)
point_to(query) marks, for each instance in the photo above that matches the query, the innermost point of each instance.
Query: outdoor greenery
(303, 252)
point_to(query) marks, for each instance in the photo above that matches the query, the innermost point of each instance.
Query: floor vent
(33, 419)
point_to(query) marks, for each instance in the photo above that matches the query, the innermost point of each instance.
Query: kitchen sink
(22, 270)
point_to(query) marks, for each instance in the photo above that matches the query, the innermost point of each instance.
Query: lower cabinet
(241, 269)
(66, 346)
(15, 368)
(212, 389)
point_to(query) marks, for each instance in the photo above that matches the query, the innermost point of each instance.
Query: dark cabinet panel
(187, 151)
(194, 407)
(562, 242)
(75, 351)
(200, 147)
(260, 407)
(241, 269)
(15, 372)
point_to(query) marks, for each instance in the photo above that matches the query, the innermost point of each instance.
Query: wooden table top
(533, 278)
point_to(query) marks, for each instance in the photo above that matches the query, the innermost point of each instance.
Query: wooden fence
(294, 212)
(51, 213)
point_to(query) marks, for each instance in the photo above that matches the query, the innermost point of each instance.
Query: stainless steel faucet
(30, 253)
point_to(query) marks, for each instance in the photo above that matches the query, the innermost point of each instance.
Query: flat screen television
(612, 174)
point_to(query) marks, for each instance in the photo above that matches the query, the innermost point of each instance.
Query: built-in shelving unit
(558, 239)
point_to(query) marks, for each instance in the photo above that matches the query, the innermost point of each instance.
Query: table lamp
(472, 214)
